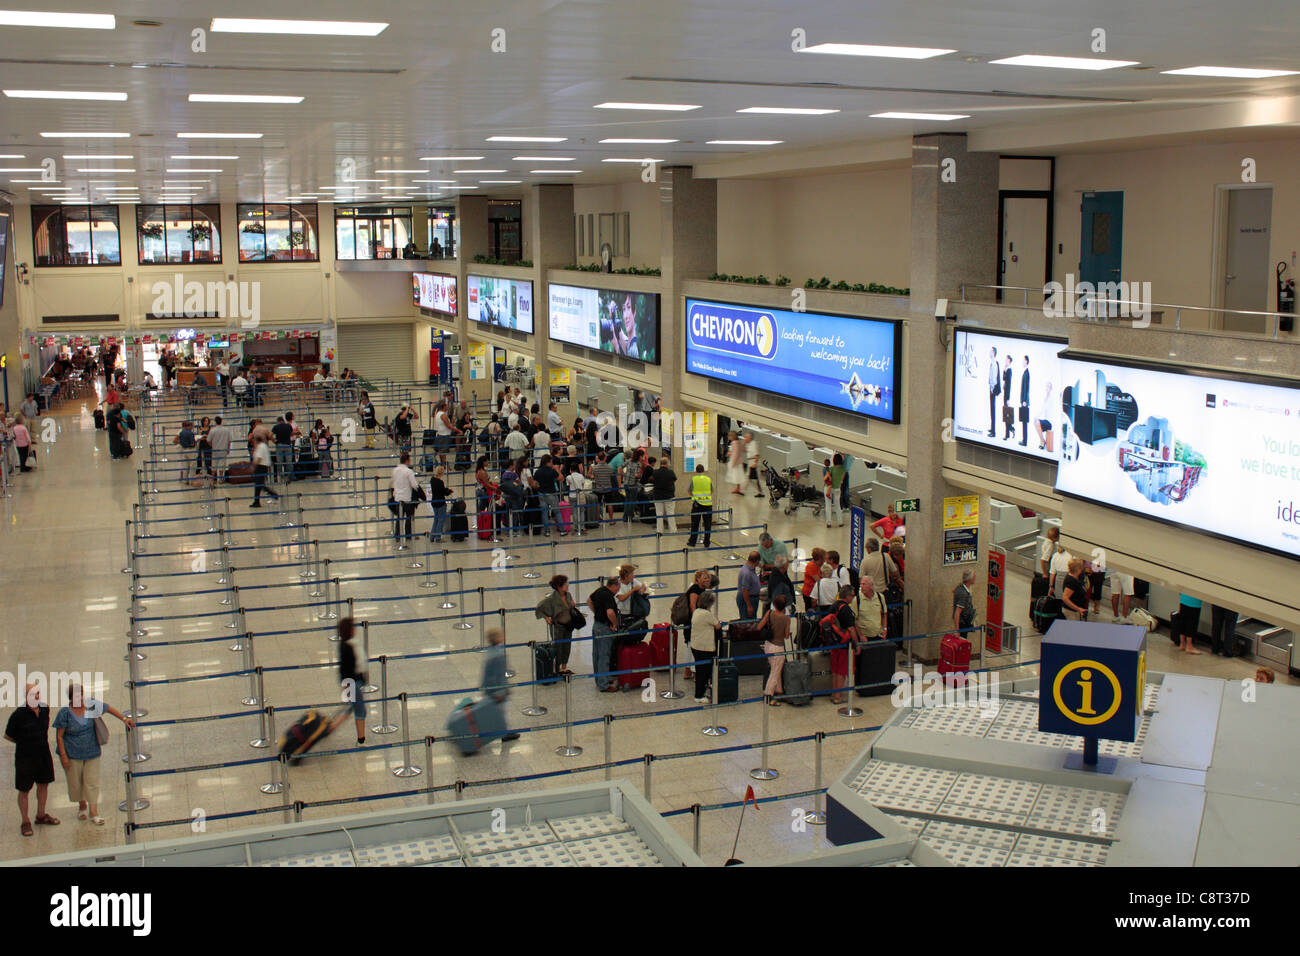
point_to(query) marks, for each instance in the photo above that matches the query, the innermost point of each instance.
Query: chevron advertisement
(838, 361)
(1219, 455)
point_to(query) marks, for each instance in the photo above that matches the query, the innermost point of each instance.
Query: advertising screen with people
(434, 291)
(1006, 392)
(1215, 454)
(623, 323)
(833, 360)
(506, 303)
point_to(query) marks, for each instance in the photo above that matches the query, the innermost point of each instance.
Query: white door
(1246, 273)
(1024, 244)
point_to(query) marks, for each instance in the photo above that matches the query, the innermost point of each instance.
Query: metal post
(763, 771)
(848, 710)
(254, 698)
(672, 693)
(136, 711)
(284, 785)
(463, 625)
(656, 584)
(407, 769)
(647, 760)
(132, 804)
(534, 709)
(384, 726)
(241, 628)
(304, 555)
(322, 574)
(609, 744)
(714, 730)
(263, 738)
(134, 754)
(568, 749)
(505, 651)
(731, 535)
(428, 582)
(130, 547)
(818, 816)
(226, 540)
(447, 602)
(367, 688)
(695, 813)
(274, 786)
(482, 612)
(577, 574)
(428, 762)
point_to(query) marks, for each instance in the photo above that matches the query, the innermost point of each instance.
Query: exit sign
(904, 505)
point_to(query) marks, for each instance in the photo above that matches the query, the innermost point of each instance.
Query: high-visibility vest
(702, 490)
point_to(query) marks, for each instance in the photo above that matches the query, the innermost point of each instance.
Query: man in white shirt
(554, 423)
(318, 378)
(1058, 567)
(223, 380)
(220, 437)
(541, 445)
(404, 485)
(239, 385)
(443, 430)
(516, 441)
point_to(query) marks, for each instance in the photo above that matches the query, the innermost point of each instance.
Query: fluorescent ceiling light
(500, 182)
(745, 142)
(467, 171)
(38, 18)
(665, 107)
(85, 135)
(868, 49)
(104, 169)
(439, 182)
(400, 189)
(542, 159)
(336, 28)
(943, 117)
(85, 156)
(641, 142)
(194, 169)
(22, 169)
(62, 95)
(21, 156)
(556, 172)
(184, 182)
(621, 160)
(450, 159)
(1063, 62)
(188, 158)
(527, 139)
(462, 187)
(1231, 72)
(395, 172)
(241, 98)
(786, 110)
(33, 180)
(219, 135)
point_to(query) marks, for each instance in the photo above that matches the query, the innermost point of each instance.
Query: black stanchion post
(672, 693)
(428, 762)
(695, 814)
(609, 744)
(447, 603)
(647, 760)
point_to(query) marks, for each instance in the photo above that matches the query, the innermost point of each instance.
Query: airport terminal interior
(942, 355)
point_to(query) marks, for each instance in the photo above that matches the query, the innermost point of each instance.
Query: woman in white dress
(735, 463)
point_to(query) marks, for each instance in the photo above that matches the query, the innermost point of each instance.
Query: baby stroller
(790, 490)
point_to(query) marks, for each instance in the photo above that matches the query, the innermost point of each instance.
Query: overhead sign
(507, 303)
(906, 505)
(838, 361)
(434, 291)
(609, 320)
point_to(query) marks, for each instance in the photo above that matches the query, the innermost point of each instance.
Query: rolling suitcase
(1046, 610)
(98, 415)
(661, 645)
(955, 651)
(475, 724)
(546, 668)
(637, 658)
(240, 473)
(728, 678)
(590, 507)
(484, 524)
(750, 658)
(303, 734)
(566, 515)
(874, 668)
(796, 679)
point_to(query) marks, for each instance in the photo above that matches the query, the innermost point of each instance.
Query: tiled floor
(67, 608)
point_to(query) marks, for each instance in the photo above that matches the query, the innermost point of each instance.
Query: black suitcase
(796, 679)
(728, 679)
(546, 667)
(1045, 611)
(874, 668)
(1038, 588)
(458, 524)
(751, 665)
(462, 456)
(303, 734)
(98, 415)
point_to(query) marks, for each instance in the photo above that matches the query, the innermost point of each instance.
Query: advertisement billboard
(505, 303)
(1197, 449)
(434, 291)
(1006, 392)
(834, 360)
(619, 322)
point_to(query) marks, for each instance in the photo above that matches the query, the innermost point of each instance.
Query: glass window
(76, 236)
(178, 234)
(373, 232)
(443, 233)
(277, 232)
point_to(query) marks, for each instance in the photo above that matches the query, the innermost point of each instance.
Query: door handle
(1116, 271)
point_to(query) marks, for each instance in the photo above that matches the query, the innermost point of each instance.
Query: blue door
(1101, 243)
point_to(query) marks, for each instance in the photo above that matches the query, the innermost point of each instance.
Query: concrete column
(954, 241)
(551, 238)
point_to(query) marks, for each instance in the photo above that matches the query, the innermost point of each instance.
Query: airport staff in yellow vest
(701, 506)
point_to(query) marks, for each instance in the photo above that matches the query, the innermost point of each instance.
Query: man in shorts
(29, 729)
(1121, 594)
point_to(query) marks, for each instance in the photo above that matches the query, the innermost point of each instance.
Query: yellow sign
(1088, 672)
(1142, 681)
(478, 349)
(561, 376)
(962, 511)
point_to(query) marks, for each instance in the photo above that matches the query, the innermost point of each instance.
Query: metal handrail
(1177, 309)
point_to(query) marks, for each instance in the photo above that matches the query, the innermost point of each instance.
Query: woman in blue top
(79, 749)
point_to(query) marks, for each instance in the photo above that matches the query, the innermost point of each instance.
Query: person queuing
(406, 494)
(439, 496)
(282, 431)
(29, 730)
(778, 581)
(748, 588)
(548, 483)
(77, 742)
(562, 618)
(406, 417)
(769, 549)
(812, 573)
(366, 412)
(701, 507)
(604, 623)
(963, 604)
(706, 629)
(664, 480)
(22, 438)
(775, 626)
(846, 629)
(879, 567)
(1074, 595)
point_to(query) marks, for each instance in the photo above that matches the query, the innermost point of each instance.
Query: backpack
(680, 612)
(129, 419)
(829, 626)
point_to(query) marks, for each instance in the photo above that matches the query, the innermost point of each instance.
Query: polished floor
(62, 551)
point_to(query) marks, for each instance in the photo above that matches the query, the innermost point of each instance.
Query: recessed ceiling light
(365, 181)
(33, 180)
(526, 139)
(400, 189)
(622, 160)
(744, 142)
(219, 135)
(339, 28)
(641, 142)
(786, 110)
(556, 172)
(85, 156)
(22, 169)
(941, 117)
(468, 171)
(500, 182)
(21, 156)
(1231, 72)
(194, 169)
(104, 169)
(438, 182)
(139, 66)
(543, 159)
(62, 95)
(450, 159)
(184, 182)
(462, 187)
(1063, 62)
(867, 49)
(38, 18)
(242, 98)
(666, 107)
(188, 158)
(85, 135)
(395, 172)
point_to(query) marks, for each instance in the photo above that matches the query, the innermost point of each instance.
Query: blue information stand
(1091, 684)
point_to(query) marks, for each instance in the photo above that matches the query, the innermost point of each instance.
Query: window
(178, 233)
(372, 232)
(76, 236)
(277, 232)
(505, 233)
(443, 233)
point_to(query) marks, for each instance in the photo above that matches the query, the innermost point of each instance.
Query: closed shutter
(377, 351)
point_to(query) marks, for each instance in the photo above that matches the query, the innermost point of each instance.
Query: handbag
(392, 504)
(1008, 415)
(101, 731)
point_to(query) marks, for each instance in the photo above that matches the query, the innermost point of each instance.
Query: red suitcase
(637, 658)
(566, 514)
(955, 651)
(240, 473)
(954, 675)
(661, 645)
(485, 525)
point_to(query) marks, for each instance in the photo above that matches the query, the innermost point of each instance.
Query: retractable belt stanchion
(284, 785)
(848, 710)
(462, 624)
(135, 712)
(428, 583)
(818, 815)
(407, 769)
(254, 698)
(273, 785)
(134, 749)
(609, 744)
(428, 762)
(133, 803)
(647, 760)
(656, 584)
(384, 726)
(763, 771)
(414, 563)
(714, 729)
(505, 644)
(672, 693)
(264, 732)
(241, 628)
(130, 547)
(447, 603)
(368, 687)
(322, 575)
(534, 709)
(226, 540)
(568, 749)
(731, 535)
(695, 840)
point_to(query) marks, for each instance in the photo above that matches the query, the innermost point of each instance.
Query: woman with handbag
(775, 628)
(563, 620)
(80, 735)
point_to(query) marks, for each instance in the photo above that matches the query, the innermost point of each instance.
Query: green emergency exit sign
(904, 505)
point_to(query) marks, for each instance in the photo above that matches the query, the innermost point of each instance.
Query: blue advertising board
(1092, 678)
(833, 360)
(857, 536)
